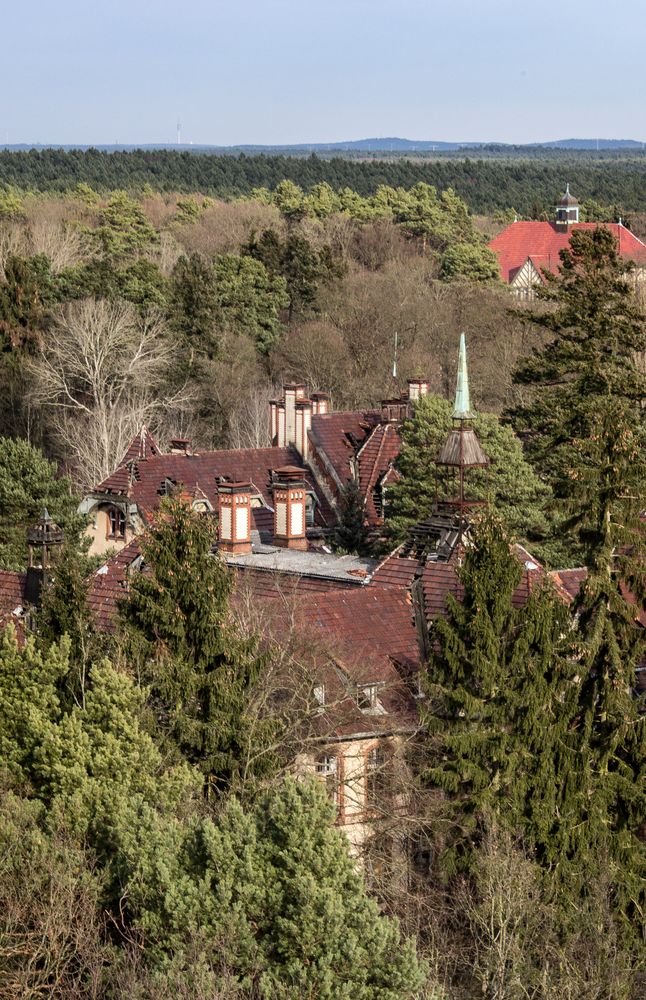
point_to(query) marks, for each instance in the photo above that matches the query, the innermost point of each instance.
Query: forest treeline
(528, 186)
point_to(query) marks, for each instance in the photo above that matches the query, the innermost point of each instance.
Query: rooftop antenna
(395, 358)
(179, 132)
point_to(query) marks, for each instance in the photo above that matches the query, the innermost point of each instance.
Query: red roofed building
(526, 249)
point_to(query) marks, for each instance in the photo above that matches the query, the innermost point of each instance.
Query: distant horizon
(302, 143)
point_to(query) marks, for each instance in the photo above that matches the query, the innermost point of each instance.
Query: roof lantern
(567, 210)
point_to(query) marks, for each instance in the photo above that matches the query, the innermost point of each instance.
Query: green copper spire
(462, 407)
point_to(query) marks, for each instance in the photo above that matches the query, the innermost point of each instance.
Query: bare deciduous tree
(101, 376)
(65, 245)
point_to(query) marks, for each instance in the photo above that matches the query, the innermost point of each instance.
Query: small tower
(567, 210)
(44, 537)
(462, 450)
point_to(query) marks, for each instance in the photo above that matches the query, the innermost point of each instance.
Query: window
(376, 776)
(319, 694)
(367, 697)
(116, 523)
(309, 511)
(326, 769)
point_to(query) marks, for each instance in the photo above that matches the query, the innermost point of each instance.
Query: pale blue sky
(283, 71)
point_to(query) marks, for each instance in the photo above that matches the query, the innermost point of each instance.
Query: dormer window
(368, 697)
(116, 523)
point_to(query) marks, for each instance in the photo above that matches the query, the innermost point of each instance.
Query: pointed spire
(462, 407)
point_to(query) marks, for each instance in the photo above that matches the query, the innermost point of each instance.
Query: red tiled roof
(109, 585)
(142, 446)
(340, 434)
(542, 242)
(12, 597)
(375, 458)
(394, 571)
(143, 480)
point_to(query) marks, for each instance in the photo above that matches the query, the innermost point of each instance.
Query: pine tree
(351, 532)
(586, 428)
(500, 699)
(273, 896)
(596, 332)
(202, 672)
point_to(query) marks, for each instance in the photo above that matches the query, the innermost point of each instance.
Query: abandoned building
(526, 249)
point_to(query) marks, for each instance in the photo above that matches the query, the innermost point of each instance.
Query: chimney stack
(290, 498)
(234, 507)
(417, 387)
(320, 402)
(181, 446)
(303, 424)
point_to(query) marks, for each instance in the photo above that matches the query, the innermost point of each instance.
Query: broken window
(116, 523)
(368, 697)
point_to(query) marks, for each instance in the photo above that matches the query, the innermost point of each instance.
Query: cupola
(567, 210)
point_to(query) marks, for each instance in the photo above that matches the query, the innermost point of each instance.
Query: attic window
(368, 697)
(116, 523)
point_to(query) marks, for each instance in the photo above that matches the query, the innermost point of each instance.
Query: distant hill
(384, 145)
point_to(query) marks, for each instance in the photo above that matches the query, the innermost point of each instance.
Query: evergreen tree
(202, 672)
(586, 425)
(509, 482)
(595, 331)
(193, 305)
(501, 696)
(274, 897)
(28, 483)
(25, 295)
(351, 532)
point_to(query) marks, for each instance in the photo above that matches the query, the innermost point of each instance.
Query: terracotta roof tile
(340, 434)
(543, 242)
(12, 597)
(144, 481)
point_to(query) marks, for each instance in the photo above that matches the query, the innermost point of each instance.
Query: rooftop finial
(462, 407)
(567, 188)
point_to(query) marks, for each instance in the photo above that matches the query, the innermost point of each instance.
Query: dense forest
(153, 840)
(487, 185)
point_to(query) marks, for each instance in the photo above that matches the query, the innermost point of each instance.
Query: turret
(462, 450)
(567, 210)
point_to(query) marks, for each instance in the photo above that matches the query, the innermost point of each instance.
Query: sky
(304, 71)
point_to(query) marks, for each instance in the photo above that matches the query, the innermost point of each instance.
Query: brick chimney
(417, 387)
(320, 402)
(303, 424)
(234, 508)
(290, 499)
(181, 446)
(292, 392)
